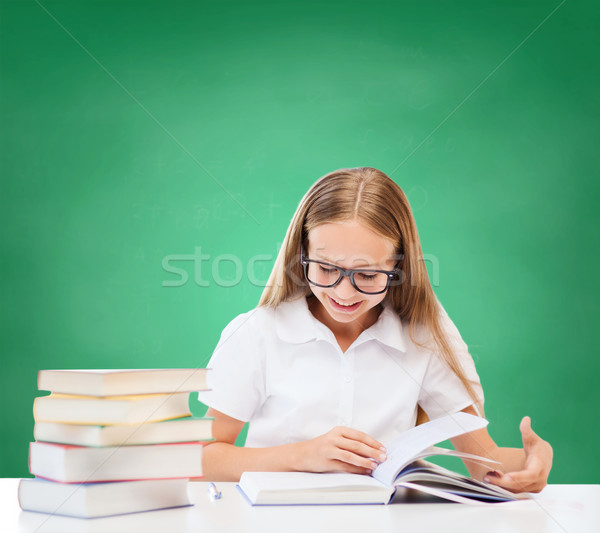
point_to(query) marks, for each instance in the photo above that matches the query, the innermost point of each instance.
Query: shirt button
(347, 379)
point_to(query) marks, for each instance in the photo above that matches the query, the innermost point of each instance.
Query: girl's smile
(344, 307)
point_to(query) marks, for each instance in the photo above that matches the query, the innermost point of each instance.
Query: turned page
(408, 446)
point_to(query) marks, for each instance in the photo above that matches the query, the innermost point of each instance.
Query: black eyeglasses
(367, 281)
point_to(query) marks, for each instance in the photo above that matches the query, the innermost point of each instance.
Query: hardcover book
(121, 382)
(110, 410)
(78, 464)
(403, 468)
(188, 429)
(94, 500)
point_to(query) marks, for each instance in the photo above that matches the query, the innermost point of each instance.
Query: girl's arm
(521, 470)
(341, 449)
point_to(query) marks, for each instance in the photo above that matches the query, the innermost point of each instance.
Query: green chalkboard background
(139, 133)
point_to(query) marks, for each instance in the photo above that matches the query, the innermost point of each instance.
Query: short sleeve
(442, 392)
(236, 376)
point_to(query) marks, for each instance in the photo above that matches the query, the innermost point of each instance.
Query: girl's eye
(328, 270)
(367, 277)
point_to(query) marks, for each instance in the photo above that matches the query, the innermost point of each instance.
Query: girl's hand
(341, 449)
(538, 462)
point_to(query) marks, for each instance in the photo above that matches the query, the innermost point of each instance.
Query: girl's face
(349, 245)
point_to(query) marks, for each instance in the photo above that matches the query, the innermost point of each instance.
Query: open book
(403, 468)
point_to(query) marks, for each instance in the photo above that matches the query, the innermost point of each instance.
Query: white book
(110, 410)
(295, 488)
(122, 381)
(79, 464)
(94, 500)
(403, 468)
(189, 429)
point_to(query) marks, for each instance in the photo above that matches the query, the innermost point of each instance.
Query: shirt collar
(295, 324)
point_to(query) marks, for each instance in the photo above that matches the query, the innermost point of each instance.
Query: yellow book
(122, 381)
(135, 409)
(188, 429)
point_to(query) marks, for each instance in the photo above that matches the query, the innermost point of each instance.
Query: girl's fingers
(529, 437)
(340, 466)
(353, 459)
(358, 449)
(348, 450)
(359, 436)
(523, 481)
(363, 450)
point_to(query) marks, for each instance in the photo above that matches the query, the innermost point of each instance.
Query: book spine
(29, 458)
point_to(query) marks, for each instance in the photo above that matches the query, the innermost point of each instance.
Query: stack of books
(111, 442)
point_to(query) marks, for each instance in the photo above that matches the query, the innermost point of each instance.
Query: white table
(559, 508)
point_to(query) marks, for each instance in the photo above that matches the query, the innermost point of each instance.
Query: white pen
(213, 492)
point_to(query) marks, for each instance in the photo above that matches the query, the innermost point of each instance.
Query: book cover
(94, 500)
(188, 429)
(79, 464)
(97, 382)
(133, 409)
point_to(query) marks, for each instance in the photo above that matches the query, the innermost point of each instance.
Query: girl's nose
(344, 289)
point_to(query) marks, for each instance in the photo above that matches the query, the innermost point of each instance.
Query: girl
(347, 346)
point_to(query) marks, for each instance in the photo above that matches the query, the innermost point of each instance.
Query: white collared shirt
(284, 372)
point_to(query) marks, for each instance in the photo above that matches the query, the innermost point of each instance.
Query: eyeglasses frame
(349, 273)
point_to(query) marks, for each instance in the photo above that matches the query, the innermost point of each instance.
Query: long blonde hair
(371, 197)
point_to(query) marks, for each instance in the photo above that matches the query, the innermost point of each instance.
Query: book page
(405, 447)
(435, 450)
(443, 494)
(438, 477)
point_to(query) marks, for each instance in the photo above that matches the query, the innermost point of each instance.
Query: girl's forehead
(349, 243)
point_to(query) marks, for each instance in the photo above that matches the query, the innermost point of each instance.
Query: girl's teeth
(345, 305)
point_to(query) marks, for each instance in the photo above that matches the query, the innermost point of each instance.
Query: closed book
(80, 464)
(94, 500)
(110, 410)
(189, 429)
(122, 382)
